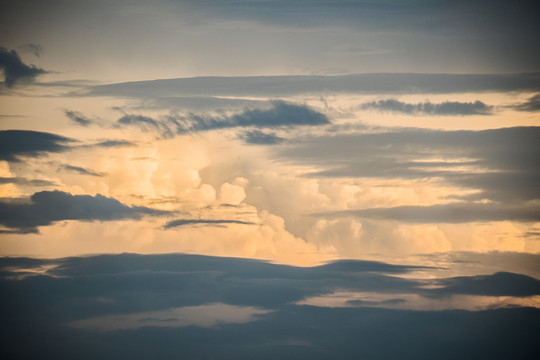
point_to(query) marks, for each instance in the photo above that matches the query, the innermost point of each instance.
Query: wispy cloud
(429, 108)
(185, 222)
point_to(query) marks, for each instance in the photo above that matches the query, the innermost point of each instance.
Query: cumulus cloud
(185, 222)
(15, 70)
(19, 143)
(280, 114)
(46, 207)
(429, 108)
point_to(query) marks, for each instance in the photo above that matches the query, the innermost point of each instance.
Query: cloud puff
(184, 222)
(531, 105)
(17, 143)
(280, 114)
(45, 207)
(14, 69)
(428, 108)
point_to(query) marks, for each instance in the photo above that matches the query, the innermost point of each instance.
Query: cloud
(78, 118)
(184, 222)
(25, 182)
(81, 170)
(380, 83)
(114, 143)
(448, 213)
(280, 114)
(15, 70)
(17, 143)
(46, 207)
(257, 137)
(531, 105)
(428, 108)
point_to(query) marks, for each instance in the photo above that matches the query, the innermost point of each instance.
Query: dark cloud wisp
(15, 70)
(78, 118)
(46, 207)
(186, 222)
(531, 105)
(429, 108)
(279, 114)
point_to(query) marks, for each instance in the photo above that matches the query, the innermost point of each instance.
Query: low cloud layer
(46, 207)
(19, 143)
(429, 108)
(15, 70)
(203, 307)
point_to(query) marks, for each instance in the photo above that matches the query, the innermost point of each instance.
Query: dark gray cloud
(185, 222)
(81, 170)
(257, 137)
(46, 207)
(429, 108)
(78, 118)
(501, 164)
(531, 105)
(381, 83)
(19, 143)
(448, 213)
(280, 114)
(37, 309)
(15, 70)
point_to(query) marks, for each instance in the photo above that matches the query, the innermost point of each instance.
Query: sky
(334, 145)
